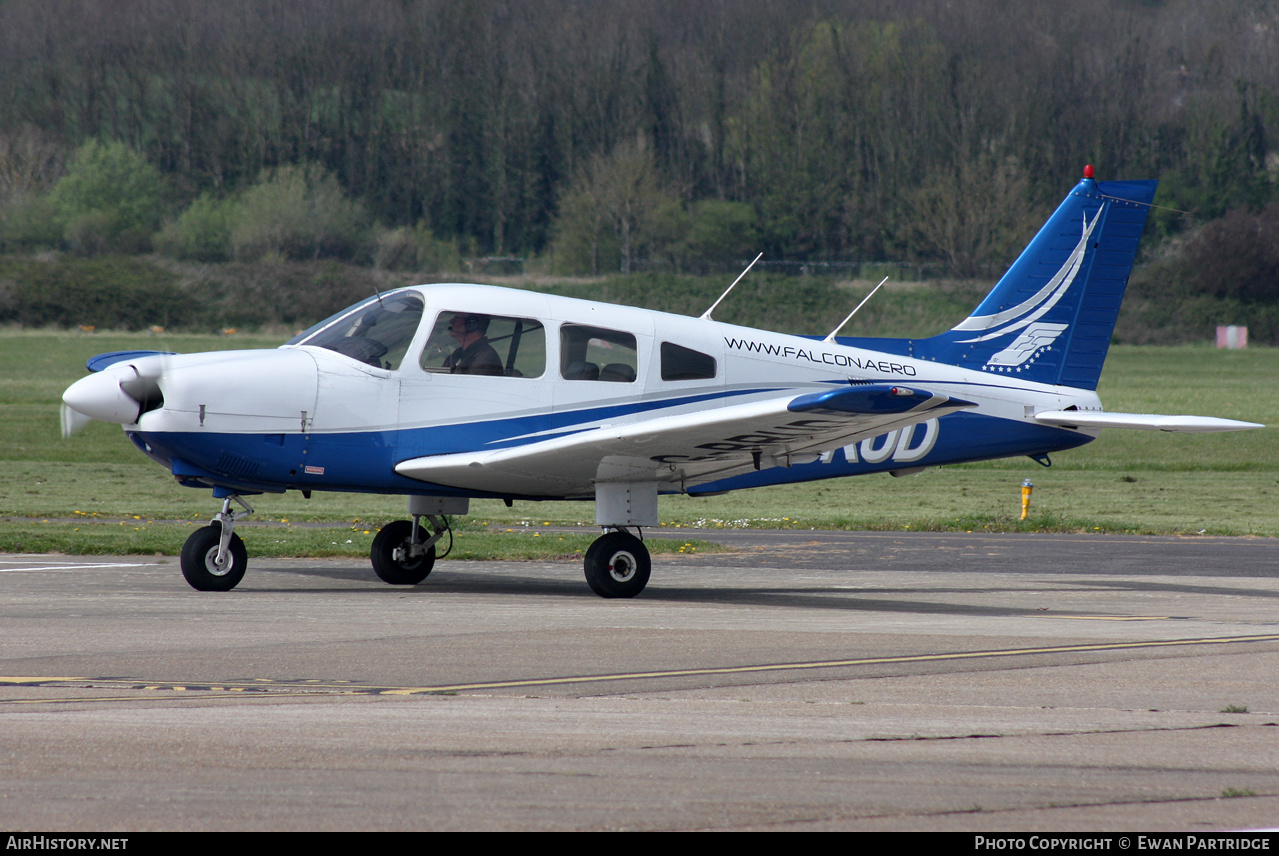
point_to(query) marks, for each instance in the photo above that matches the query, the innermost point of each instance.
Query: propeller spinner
(117, 392)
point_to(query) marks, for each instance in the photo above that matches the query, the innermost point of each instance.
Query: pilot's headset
(476, 323)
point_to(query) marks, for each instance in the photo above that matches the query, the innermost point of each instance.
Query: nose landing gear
(214, 558)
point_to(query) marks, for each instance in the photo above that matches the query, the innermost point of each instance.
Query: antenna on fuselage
(707, 314)
(831, 337)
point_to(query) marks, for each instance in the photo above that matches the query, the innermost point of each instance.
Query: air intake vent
(235, 465)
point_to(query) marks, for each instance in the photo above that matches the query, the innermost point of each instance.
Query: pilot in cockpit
(474, 354)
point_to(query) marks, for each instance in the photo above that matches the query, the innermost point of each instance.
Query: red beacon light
(1088, 170)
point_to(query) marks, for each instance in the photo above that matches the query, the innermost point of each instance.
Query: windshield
(377, 332)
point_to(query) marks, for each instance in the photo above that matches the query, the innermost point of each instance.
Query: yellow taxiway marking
(264, 686)
(831, 664)
(246, 687)
(203, 697)
(1113, 617)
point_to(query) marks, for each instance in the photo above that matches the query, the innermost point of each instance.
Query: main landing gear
(403, 554)
(617, 565)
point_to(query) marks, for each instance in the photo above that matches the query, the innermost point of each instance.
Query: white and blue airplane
(443, 393)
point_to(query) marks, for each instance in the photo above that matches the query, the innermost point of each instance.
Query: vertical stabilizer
(1050, 318)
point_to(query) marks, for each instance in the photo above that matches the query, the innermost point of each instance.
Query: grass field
(96, 493)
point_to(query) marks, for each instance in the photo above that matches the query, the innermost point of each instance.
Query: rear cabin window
(479, 344)
(680, 363)
(594, 353)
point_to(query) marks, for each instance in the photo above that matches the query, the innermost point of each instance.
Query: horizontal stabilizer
(1148, 421)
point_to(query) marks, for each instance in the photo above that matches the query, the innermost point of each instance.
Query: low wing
(1148, 421)
(687, 449)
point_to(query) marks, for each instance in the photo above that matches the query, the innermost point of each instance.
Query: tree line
(621, 135)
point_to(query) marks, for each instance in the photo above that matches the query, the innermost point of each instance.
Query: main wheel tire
(617, 565)
(198, 560)
(406, 572)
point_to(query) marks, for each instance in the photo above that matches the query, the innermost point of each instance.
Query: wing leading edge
(687, 449)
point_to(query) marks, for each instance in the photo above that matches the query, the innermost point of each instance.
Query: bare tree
(620, 192)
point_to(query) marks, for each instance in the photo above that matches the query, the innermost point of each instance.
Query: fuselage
(329, 412)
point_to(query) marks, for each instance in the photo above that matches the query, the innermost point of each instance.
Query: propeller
(144, 386)
(117, 391)
(73, 421)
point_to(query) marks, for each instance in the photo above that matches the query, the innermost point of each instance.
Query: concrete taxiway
(806, 680)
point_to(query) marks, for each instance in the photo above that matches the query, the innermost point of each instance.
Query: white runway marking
(75, 566)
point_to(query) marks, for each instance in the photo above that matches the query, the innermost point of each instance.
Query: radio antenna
(831, 337)
(707, 314)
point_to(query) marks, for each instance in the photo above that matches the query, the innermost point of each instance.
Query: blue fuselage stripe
(364, 461)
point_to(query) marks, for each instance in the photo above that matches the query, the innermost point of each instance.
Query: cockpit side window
(378, 332)
(594, 353)
(481, 344)
(680, 363)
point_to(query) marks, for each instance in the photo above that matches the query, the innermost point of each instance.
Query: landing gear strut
(402, 553)
(214, 558)
(617, 565)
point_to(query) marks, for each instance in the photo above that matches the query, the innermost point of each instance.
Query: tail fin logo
(1038, 336)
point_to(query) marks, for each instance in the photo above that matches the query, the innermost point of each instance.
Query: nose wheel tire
(391, 560)
(200, 565)
(617, 565)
